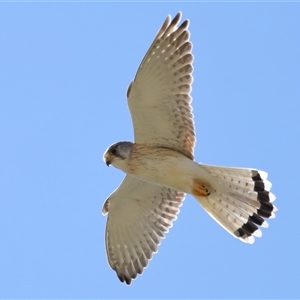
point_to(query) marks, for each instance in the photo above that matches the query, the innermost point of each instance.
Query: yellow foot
(199, 189)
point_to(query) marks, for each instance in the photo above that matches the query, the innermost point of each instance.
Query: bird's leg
(199, 189)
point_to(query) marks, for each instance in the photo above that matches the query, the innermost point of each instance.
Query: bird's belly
(170, 169)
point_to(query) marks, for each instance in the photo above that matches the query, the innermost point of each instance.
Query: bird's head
(117, 154)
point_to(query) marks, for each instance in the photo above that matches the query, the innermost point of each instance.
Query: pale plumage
(135, 226)
(159, 165)
(159, 97)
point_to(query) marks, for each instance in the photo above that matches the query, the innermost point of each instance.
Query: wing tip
(105, 207)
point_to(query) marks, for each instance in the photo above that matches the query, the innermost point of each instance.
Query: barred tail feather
(241, 203)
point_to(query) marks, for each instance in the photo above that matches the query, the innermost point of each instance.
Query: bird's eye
(113, 151)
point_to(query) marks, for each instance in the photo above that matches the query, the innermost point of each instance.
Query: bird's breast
(163, 166)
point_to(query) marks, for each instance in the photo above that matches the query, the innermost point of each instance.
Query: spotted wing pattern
(159, 97)
(139, 216)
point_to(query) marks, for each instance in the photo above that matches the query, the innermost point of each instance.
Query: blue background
(65, 69)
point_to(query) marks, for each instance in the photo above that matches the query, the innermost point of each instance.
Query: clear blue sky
(65, 68)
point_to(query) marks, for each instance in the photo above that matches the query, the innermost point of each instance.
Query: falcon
(160, 168)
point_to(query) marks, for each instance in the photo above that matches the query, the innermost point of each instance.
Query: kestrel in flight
(160, 167)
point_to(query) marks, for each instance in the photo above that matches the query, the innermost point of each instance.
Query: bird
(159, 165)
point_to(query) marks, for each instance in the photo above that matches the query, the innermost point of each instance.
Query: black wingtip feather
(184, 24)
(176, 18)
(121, 277)
(124, 278)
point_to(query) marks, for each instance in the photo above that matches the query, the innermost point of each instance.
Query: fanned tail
(242, 202)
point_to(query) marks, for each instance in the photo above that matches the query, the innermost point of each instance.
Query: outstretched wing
(159, 97)
(139, 216)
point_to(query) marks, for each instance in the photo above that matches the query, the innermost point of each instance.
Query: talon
(199, 189)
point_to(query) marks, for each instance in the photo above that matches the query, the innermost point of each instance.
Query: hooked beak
(108, 158)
